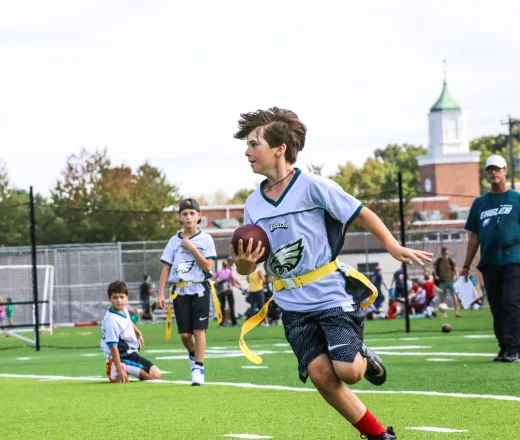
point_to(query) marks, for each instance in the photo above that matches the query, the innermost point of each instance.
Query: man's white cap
(496, 161)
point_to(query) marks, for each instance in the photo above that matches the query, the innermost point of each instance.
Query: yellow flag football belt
(358, 285)
(174, 293)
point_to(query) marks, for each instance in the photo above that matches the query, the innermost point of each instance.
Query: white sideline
(432, 429)
(277, 387)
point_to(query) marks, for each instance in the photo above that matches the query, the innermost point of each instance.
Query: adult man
(377, 280)
(145, 292)
(397, 280)
(445, 274)
(494, 223)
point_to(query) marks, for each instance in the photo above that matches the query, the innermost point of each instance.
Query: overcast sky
(165, 81)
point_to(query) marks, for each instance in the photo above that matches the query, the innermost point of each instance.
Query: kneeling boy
(122, 340)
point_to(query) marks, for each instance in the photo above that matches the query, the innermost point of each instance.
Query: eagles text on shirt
(183, 263)
(306, 229)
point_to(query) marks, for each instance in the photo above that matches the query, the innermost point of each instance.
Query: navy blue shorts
(192, 311)
(334, 332)
(137, 362)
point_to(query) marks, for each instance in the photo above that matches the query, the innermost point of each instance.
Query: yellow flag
(249, 325)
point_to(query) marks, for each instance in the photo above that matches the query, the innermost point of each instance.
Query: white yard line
(253, 436)
(280, 387)
(439, 353)
(432, 429)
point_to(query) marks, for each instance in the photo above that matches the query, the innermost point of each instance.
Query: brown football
(256, 233)
(446, 328)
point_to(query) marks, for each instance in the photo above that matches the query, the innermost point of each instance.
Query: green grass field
(435, 380)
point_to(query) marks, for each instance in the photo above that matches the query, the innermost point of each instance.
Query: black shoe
(388, 435)
(511, 357)
(376, 371)
(499, 356)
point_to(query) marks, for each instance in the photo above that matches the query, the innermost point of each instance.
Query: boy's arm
(139, 335)
(369, 221)
(162, 284)
(114, 351)
(204, 263)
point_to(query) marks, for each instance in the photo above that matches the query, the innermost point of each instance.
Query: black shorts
(257, 298)
(192, 311)
(334, 332)
(136, 361)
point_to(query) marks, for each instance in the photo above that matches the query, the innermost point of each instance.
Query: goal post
(16, 285)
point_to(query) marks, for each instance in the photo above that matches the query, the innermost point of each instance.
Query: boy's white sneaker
(197, 376)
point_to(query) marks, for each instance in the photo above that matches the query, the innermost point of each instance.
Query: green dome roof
(445, 101)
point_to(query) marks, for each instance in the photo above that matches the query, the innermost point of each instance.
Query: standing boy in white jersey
(305, 217)
(121, 340)
(187, 267)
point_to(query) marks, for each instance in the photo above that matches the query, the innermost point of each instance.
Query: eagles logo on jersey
(184, 267)
(287, 257)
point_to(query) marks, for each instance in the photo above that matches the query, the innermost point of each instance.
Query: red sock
(369, 425)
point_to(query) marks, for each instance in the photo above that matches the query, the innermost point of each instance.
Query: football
(112, 371)
(443, 307)
(446, 328)
(246, 232)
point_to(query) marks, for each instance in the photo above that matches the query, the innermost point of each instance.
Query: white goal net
(16, 286)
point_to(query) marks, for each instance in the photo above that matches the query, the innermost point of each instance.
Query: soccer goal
(16, 284)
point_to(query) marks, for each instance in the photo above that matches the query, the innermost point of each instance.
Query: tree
(4, 180)
(99, 202)
(489, 145)
(375, 184)
(241, 195)
(316, 169)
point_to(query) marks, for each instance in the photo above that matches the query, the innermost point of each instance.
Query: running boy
(187, 267)
(305, 217)
(122, 340)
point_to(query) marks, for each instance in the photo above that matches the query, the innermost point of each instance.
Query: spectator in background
(494, 225)
(392, 309)
(256, 280)
(430, 289)
(445, 275)
(377, 280)
(397, 280)
(225, 280)
(2, 311)
(145, 295)
(10, 314)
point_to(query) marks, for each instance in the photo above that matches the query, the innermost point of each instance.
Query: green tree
(315, 169)
(375, 183)
(489, 145)
(241, 195)
(100, 202)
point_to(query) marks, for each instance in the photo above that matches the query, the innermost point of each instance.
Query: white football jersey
(118, 329)
(306, 229)
(183, 263)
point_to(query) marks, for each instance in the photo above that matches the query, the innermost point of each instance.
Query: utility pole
(511, 123)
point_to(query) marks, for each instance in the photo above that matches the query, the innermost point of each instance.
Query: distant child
(122, 340)
(2, 311)
(393, 309)
(430, 289)
(187, 261)
(10, 314)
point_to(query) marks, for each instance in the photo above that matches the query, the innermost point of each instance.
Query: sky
(166, 81)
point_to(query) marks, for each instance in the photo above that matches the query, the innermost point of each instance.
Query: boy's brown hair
(117, 287)
(280, 126)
